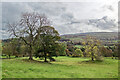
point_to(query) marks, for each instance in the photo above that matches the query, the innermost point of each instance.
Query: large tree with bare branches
(28, 29)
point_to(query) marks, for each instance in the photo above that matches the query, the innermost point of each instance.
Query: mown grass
(78, 46)
(64, 67)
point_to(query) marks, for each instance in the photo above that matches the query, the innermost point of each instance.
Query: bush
(78, 53)
(106, 52)
(99, 58)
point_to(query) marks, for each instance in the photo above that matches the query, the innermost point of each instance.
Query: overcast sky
(67, 17)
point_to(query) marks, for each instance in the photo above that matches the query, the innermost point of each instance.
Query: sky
(67, 17)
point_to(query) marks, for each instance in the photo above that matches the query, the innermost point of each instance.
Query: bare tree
(28, 29)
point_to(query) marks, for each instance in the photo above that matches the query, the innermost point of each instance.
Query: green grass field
(64, 67)
(78, 46)
(76, 39)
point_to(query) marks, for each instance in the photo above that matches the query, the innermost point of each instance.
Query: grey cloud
(12, 11)
(91, 25)
(103, 23)
(109, 7)
(66, 18)
(51, 9)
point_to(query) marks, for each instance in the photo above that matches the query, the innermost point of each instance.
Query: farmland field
(63, 67)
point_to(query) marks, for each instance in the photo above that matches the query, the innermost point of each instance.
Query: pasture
(63, 67)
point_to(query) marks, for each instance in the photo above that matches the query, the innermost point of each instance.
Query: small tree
(62, 49)
(15, 46)
(7, 49)
(93, 48)
(106, 52)
(78, 52)
(23, 50)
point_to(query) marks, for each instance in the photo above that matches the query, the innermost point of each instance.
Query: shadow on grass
(35, 61)
(90, 62)
(7, 58)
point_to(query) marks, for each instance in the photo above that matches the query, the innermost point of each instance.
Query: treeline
(91, 47)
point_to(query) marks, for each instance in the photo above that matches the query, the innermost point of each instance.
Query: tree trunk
(84, 54)
(45, 58)
(9, 56)
(30, 57)
(30, 54)
(45, 54)
(92, 57)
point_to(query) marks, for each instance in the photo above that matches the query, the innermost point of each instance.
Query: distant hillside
(105, 37)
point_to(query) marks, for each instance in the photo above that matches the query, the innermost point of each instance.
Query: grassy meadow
(63, 67)
(78, 46)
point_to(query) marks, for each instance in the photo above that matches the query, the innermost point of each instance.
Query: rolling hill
(105, 37)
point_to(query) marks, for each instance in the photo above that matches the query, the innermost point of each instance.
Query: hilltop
(105, 37)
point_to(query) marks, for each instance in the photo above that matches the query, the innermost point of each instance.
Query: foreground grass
(64, 67)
